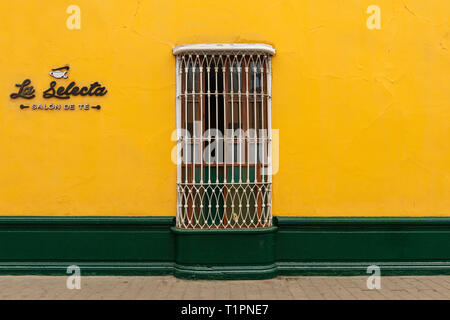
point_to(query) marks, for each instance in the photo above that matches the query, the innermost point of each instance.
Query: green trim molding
(294, 246)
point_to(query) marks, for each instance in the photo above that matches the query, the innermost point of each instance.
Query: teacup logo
(59, 73)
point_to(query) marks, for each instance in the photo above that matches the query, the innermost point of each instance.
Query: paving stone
(302, 288)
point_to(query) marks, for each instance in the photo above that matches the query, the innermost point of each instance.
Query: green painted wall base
(294, 246)
(99, 245)
(225, 254)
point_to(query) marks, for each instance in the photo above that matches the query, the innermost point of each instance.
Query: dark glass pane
(235, 77)
(255, 78)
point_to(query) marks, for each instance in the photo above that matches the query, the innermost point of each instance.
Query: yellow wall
(363, 114)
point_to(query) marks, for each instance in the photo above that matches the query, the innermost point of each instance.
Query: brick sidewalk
(35, 287)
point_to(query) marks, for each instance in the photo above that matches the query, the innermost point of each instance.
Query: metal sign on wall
(27, 91)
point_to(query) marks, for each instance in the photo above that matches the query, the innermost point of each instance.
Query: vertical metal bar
(187, 204)
(208, 69)
(247, 144)
(179, 159)
(178, 111)
(186, 132)
(216, 69)
(239, 150)
(263, 114)
(194, 145)
(263, 136)
(187, 136)
(232, 140)
(225, 103)
(232, 124)
(257, 186)
(194, 97)
(255, 123)
(225, 175)
(201, 118)
(269, 128)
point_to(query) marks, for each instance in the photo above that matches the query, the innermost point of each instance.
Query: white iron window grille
(224, 136)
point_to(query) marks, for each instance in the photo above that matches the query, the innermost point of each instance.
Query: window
(224, 136)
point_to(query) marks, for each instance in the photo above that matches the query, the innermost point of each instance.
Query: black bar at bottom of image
(220, 309)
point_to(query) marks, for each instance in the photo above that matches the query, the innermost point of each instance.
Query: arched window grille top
(224, 136)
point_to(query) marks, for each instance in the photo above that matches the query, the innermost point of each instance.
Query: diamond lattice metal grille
(224, 138)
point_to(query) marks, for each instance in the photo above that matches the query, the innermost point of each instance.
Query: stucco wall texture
(363, 115)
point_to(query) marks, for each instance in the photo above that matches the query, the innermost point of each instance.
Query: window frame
(241, 100)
